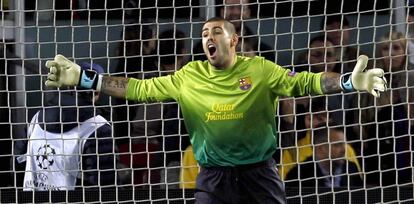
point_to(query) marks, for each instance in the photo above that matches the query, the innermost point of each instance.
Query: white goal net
(346, 147)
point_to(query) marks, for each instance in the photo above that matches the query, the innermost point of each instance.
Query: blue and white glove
(372, 80)
(63, 72)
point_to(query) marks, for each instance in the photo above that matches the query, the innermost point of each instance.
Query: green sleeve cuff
(132, 90)
(317, 83)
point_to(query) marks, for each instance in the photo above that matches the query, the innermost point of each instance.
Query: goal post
(149, 147)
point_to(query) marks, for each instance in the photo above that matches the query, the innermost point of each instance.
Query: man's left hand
(372, 80)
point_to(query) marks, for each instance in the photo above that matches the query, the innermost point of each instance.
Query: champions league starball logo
(45, 155)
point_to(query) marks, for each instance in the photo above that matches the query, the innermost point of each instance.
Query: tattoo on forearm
(114, 86)
(330, 82)
(114, 83)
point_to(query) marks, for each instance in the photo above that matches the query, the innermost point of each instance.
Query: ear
(248, 12)
(234, 40)
(308, 121)
(96, 95)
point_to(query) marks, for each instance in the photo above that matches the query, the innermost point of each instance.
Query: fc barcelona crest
(245, 83)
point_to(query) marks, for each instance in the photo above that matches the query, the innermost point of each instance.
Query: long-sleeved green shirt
(230, 113)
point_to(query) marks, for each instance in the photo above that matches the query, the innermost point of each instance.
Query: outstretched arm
(372, 80)
(63, 72)
(114, 86)
(330, 82)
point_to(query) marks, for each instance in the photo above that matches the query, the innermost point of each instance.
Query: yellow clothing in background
(294, 155)
(189, 169)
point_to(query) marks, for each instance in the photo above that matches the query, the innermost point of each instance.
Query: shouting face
(219, 43)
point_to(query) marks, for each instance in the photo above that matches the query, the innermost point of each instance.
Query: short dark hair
(320, 38)
(317, 104)
(330, 19)
(411, 10)
(229, 25)
(322, 134)
(314, 105)
(136, 32)
(171, 43)
(221, 3)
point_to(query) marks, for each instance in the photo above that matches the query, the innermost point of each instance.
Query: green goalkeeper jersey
(230, 113)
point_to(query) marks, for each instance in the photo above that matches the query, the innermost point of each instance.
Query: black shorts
(253, 183)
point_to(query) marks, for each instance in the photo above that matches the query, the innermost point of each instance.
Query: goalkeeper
(228, 104)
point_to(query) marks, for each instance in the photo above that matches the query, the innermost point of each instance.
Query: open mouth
(212, 49)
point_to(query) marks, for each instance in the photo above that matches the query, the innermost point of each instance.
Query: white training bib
(52, 159)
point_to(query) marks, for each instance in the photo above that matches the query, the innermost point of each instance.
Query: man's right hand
(62, 72)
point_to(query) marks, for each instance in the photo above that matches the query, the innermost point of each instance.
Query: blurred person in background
(328, 165)
(158, 129)
(308, 118)
(137, 58)
(410, 36)
(189, 169)
(337, 28)
(387, 144)
(246, 47)
(172, 57)
(319, 57)
(68, 140)
(138, 50)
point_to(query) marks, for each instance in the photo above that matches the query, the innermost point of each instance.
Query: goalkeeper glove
(372, 80)
(63, 72)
